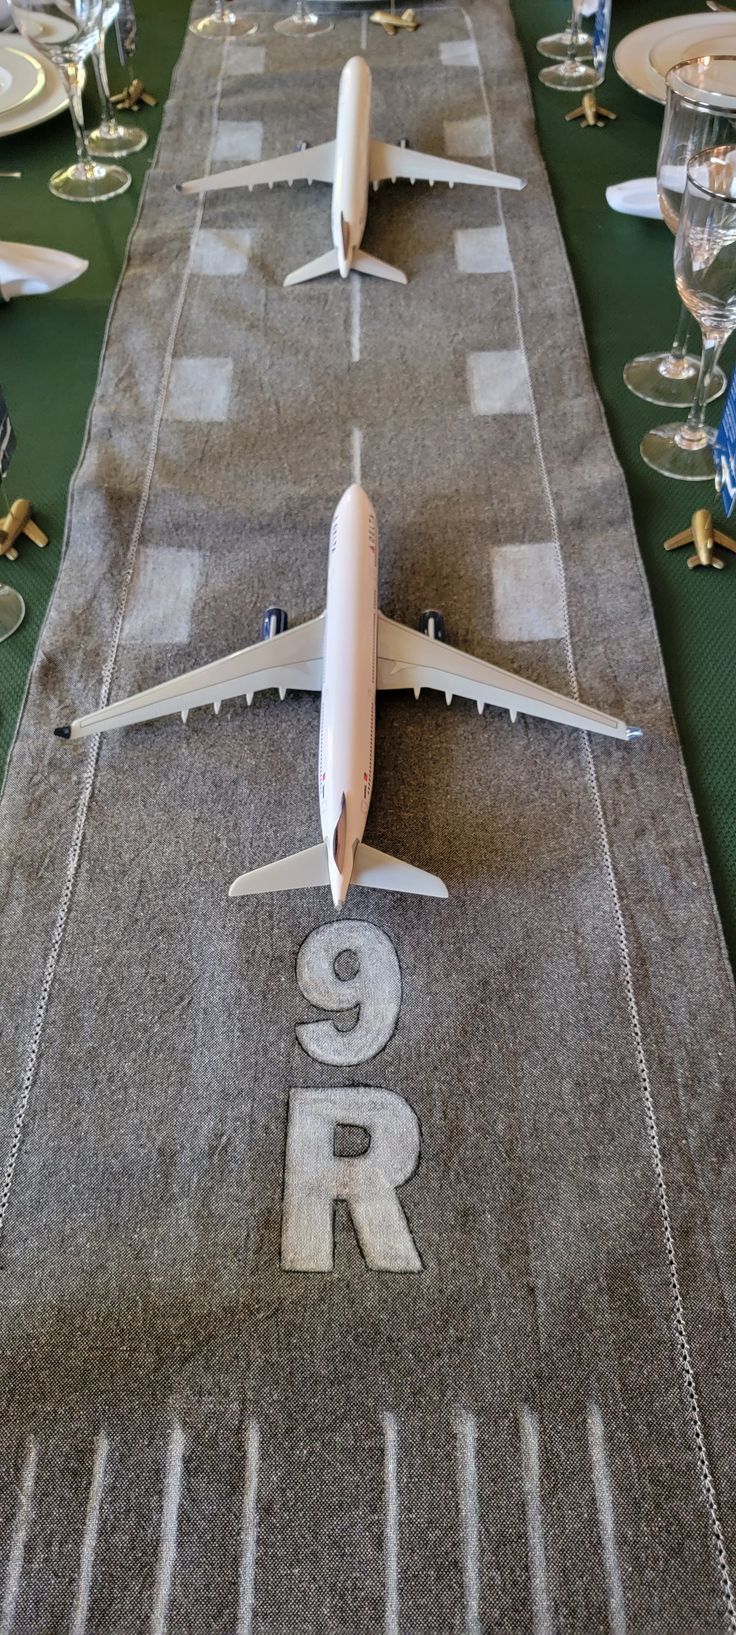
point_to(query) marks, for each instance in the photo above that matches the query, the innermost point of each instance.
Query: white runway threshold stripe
(523, 1473)
(18, 1537)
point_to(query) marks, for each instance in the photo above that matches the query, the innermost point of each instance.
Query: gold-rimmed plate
(631, 57)
(51, 100)
(22, 77)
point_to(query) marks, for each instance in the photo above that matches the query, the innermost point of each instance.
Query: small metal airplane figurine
(703, 536)
(131, 98)
(390, 21)
(18, 521)
(590, 113)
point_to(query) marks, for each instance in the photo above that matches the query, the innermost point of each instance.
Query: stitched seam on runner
(88, 780)
(650, 1117)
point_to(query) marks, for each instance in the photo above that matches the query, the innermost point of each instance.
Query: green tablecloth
(623, 271)
(50, 345)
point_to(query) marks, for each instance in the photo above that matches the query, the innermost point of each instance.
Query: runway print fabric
(370, 1274)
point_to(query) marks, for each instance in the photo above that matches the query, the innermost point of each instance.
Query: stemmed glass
(223, 23)
(556, 45)
(705, 273)
(111, 139)
(700, 112)
(571, 74)
(70, 32)
(302, 23)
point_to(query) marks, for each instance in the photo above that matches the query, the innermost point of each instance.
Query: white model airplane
(348, 652)
(351, 163)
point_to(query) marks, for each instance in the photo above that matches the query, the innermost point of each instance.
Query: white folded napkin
(30, 269)
(638, 197)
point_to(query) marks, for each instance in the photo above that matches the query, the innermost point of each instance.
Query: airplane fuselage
(348, 715)
(352, 160)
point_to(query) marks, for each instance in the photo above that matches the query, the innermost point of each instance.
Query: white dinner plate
(21, 77)
(631, 57)
(679, 47)
(49, 102)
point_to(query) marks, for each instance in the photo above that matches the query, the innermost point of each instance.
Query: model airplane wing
(305, 165)
(292, 660)
(408, 659)
(388, 163)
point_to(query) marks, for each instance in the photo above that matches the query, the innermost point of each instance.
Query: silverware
(717, 5)
(16, 174)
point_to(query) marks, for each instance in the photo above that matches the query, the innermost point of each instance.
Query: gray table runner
(532, 1428)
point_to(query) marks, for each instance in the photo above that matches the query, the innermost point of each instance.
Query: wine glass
(302, 23)
(705, 273)
(571, 74)
(68, 32)
(223, 24)
(700, 112)
(556, 45)
(111, 139)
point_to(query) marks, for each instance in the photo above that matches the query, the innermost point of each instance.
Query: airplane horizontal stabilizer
(384, 873)
(371, 265)
(302, 869)
(326, 263)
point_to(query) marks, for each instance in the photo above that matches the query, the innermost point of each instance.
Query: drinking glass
(705, 273)
(303, 23)
(700, 112)
(571, 74)
(69, 32)
(111, 139)
(556, 45)
(223, 23)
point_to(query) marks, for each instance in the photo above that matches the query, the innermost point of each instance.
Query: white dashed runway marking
(499, 383)
(162, 597)
(357, 444)
(527, 606)
(468, 138)
(459, 54)
(222, 252)
(199, 389)
(238, 141)
(356, 283)
(242, 58)
(481, 250)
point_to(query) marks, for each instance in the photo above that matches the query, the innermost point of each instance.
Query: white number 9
(341, 968)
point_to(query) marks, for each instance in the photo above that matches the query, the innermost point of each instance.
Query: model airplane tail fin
(302, 869)
(314, 269)
(371, 265)
(384, 873)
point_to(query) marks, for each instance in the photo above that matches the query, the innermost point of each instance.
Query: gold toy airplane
(703, 536)
(18, 521)
(590, 112)
(390, 21)
(131, 98)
